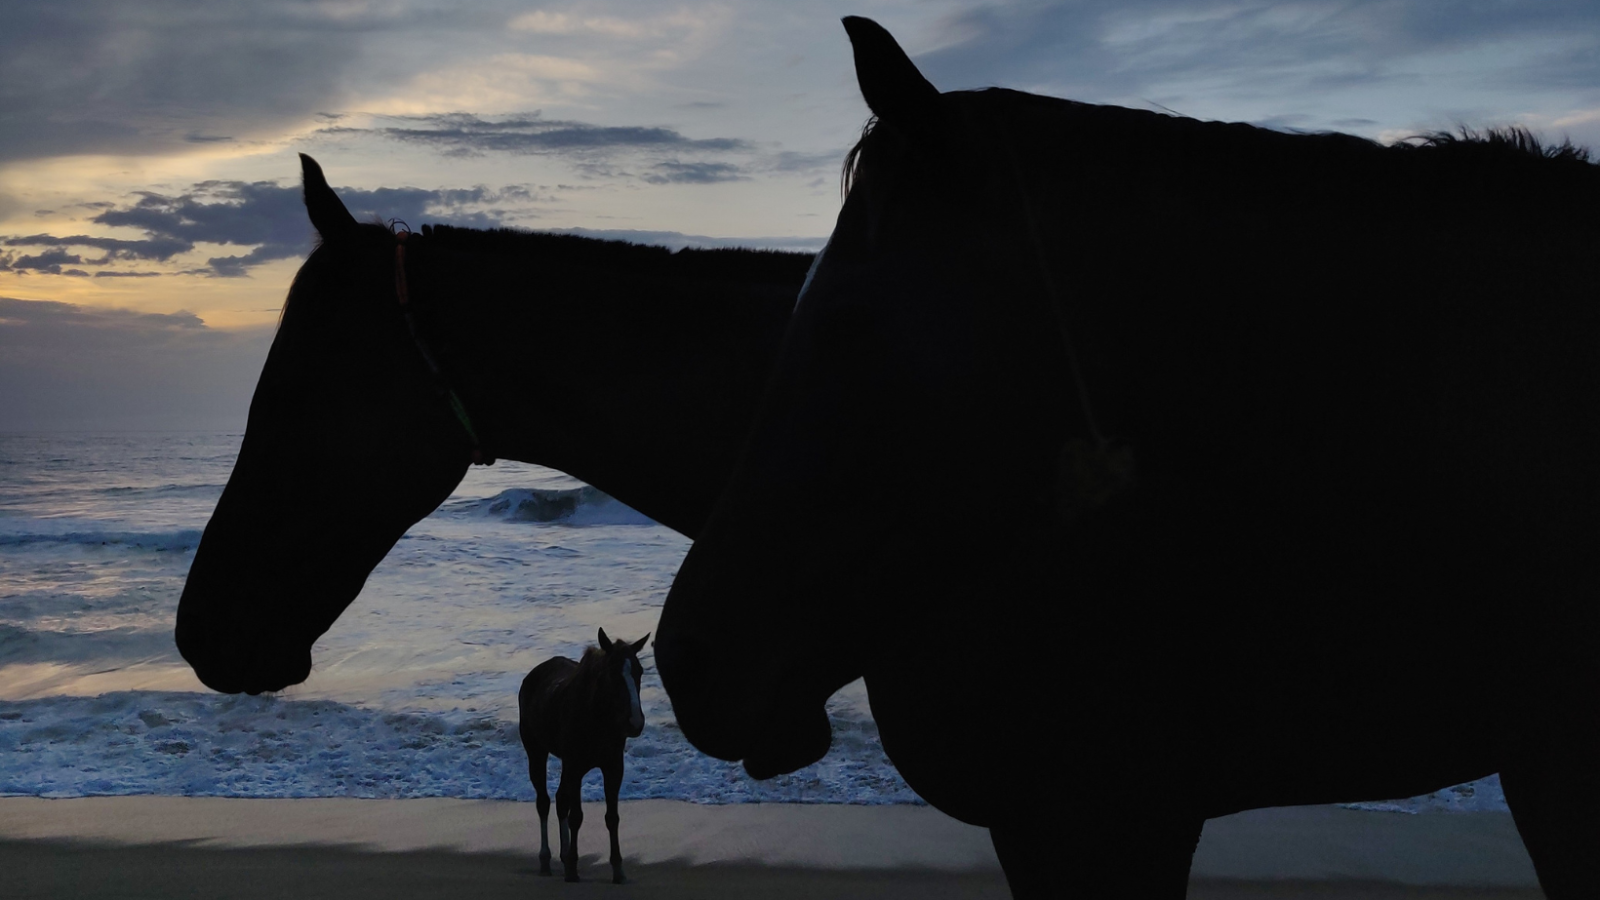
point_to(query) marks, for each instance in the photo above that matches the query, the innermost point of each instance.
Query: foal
(583, 712)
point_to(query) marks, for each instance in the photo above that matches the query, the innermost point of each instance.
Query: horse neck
(641, 386)
(583, 686)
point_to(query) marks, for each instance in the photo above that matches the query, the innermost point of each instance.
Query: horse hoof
(545, 870)
(573, 877)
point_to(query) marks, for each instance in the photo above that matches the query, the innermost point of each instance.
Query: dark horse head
(887, 419)
(1224, 413)
(360, 422)
(348, 445)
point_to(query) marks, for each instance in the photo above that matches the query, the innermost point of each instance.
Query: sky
(150, 218)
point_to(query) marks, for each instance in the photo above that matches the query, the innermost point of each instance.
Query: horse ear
(327, 211)
(890, 83)
(638, 645)
(605, 642)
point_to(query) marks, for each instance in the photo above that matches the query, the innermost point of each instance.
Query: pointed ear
(605, 642)
(639, 644)
(893, 88)
(327, 211)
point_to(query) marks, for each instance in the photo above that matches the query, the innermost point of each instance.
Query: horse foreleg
(613, 778)
(1098, 853)
(538, 760)
(1552, 784)
(569, 812)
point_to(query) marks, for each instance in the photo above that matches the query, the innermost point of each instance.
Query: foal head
(616, 673)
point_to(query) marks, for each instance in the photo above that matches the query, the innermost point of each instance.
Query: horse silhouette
(1282, 451)
(583, 712)
(633, 368)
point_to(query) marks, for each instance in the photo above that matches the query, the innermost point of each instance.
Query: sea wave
(37, 532)
(150, 742)
(211, 490)
(103, 647)
(583, 505)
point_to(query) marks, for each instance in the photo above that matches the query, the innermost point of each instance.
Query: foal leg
(613, 777)
(569, 811)
(538, 760)
(1097, 854)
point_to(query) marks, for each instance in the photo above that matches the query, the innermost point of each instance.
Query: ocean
(413, 691)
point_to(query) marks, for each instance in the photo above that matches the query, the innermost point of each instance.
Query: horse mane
(1505, 144)
(733, 265)
(741, 264)
(585, 679)
(1513, 140)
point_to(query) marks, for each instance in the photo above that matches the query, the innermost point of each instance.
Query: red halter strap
(403, 294)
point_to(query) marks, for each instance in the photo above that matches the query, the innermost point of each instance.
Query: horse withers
(583, 712)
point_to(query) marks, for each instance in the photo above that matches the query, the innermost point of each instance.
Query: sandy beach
(171, 847)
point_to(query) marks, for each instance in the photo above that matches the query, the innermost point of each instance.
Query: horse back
(538, 706)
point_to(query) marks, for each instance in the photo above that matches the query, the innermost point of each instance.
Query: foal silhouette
(583, 712)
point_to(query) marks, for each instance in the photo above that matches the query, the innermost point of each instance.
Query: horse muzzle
(731, 717)
(236, 646)
(229, 662)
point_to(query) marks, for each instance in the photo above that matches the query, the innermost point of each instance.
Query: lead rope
(1087, 475)
(403, 294)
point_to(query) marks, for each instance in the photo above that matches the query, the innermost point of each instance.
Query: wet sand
(138, 847)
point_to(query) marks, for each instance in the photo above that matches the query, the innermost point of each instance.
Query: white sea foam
(139, 742)
(414, 689)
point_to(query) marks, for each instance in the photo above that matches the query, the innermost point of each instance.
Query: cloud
(100, 76)
(1102, 49)
(68, 366)
(654, 154)
(528, 133)
(48, 263)
(116, 248)
(270, 219)
(547, 22)
(267, 217)
(692, 173)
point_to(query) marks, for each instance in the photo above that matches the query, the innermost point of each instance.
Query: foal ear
(605, 642)
(638, 645)
(327, 211)
(890, 83)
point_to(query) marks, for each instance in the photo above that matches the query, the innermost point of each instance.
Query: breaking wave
(583, 505)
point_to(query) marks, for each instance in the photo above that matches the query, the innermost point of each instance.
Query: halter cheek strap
(1088, 473)
(403, 294)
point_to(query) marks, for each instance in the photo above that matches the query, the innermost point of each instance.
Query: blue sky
(147, 151)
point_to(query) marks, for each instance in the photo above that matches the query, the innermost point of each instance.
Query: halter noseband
(403, 294)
